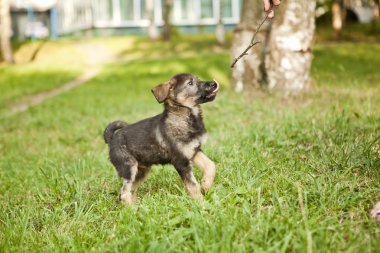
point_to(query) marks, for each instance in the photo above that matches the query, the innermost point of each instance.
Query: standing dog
(174, 136)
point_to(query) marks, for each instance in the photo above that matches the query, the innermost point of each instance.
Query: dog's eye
(190, 82)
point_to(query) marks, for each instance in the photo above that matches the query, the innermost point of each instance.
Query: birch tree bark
(166, 31)
(5, 31)
(152, 28)
(338, 16)
(249, 72)
(289, 55)
(219, 30)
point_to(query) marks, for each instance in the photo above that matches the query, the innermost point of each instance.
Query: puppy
(174, 136)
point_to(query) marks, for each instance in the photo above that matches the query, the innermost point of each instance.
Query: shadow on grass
(37, 46)
(347, 65)
(181, 45)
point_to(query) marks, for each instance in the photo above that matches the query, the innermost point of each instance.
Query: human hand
(268, 7)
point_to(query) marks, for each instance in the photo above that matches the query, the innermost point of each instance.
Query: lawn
(54, 64)
(292, 175)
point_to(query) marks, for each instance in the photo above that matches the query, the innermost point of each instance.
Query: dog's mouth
(215, 90)
(208, 92)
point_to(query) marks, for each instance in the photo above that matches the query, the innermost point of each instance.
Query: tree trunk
(249, 71)
(152, 28)
(338, 16)
(219, 30)
(290, 47)
(5, 31)
(166, 30)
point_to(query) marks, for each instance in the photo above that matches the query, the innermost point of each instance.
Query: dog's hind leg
(207, 167)
(141, 175)
(190, 182)
(126, 196)
(130, 169)
(126, 166)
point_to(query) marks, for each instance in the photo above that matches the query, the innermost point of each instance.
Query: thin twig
(252, 41)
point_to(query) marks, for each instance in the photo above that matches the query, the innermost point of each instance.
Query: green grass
(353, 65)
(55, 64)
(353, 32)
(59, 191)
(18, 84)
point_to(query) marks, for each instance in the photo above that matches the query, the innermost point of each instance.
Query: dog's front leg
(184, 169)
(207, 167)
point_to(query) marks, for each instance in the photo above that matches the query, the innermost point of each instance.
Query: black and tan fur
(174, 136)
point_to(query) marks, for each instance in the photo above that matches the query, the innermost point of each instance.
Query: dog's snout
(211, 84)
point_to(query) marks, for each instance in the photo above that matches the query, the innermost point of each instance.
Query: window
(126, 9)
(103, 10)
(207, 9)
(143, 13)
(227, 8)
(186, 10)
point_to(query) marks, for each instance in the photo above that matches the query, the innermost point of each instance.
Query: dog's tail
(111, 128)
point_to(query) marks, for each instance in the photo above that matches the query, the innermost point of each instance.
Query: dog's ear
(161, 92)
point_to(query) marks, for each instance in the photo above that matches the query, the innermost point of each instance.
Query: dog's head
(186, 90)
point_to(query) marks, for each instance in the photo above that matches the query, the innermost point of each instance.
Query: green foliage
(59, 191)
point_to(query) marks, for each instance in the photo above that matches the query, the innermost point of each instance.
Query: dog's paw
(206, 186)
(198, 197)
(375, 212)
(195, 193)
(126, 199)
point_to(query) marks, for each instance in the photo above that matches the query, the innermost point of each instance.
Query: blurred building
(31, 19)
(42, 18)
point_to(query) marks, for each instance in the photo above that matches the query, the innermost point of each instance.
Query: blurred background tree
(338, 17)
(166, 29)
(249, 72)
(289, 55)
(283, 61)
(6, 31)
(152, 28)
(219, 29)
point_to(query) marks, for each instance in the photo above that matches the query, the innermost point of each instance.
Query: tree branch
(253, 43)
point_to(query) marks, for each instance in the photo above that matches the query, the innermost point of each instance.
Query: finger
(271, 14)
(267, 5)
(276, 2)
